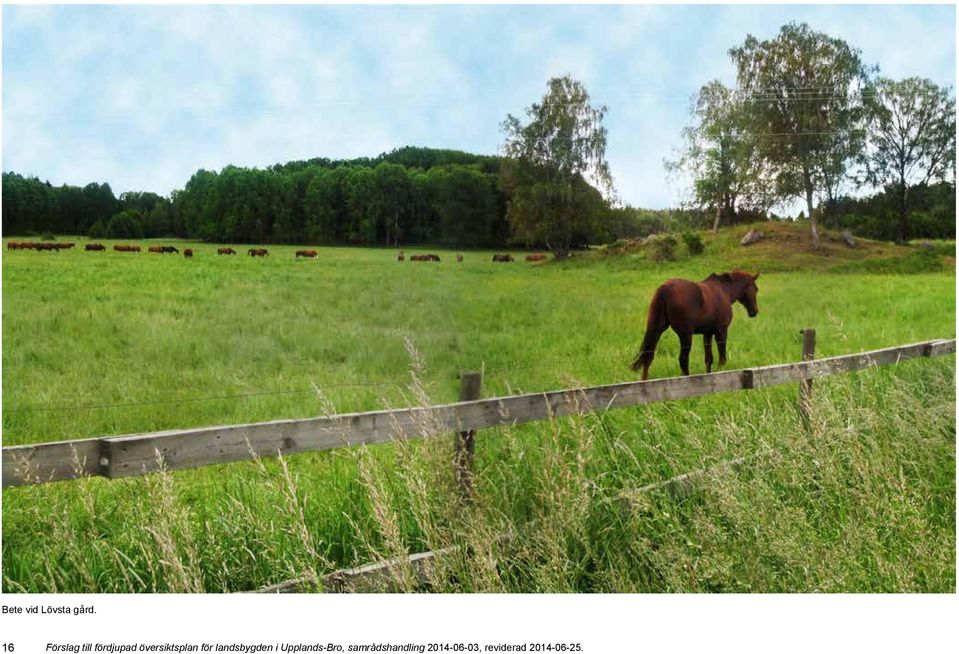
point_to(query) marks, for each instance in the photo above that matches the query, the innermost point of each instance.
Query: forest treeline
(409, 196)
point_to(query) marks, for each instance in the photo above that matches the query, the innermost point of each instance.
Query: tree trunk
(716, 221)
(903, 214)
(812, 217)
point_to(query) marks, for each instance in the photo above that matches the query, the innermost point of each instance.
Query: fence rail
(140, 454)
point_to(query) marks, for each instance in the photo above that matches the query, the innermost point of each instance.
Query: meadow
(113, 343)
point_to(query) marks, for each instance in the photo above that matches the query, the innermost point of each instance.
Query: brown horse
(689, 308)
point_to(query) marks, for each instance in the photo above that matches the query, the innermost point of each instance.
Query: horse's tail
(654, 328)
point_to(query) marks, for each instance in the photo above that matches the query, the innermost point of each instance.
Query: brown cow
(503, 258)
(94, 247)
(156, 249)
(459, 258)
(64, 246)
(51, 247)
(12, 245)
(225, 251)
(309, 254)
(536, 257)
(258, 252)
(401, 256)
(188, 253)
(424, 257)
(126, 248)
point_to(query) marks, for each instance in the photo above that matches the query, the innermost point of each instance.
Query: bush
(48, 236)
(662, 248)
(98, 229)
(126, 224)
(694, 242)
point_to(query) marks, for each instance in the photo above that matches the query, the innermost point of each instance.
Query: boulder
(848, 238)
(752, 236)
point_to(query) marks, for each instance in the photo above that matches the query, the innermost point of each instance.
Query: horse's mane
(728, 277)
(719, 277)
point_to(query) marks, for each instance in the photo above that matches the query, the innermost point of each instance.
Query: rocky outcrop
(752, 236)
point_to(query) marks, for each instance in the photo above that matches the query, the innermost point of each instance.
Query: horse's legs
(653, 332)
(685, 345)
(708, 344)
(721, 346)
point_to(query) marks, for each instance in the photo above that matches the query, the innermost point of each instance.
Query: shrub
(98, 229)
(694, 242)
(662, 248)
(126, 224)
(48, 236)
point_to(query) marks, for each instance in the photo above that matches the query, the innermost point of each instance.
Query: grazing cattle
(309, 254)
(536, 257)
(225, 251)
(64, 246)
(94, 247)
(126, 248)
(50, 247)
(424, 257)
(696, 308)
(459, 258)
(12, 245)
(503, 258)
(401, 256)
(170, 249)
(188, 253)
(156, 249)
(258, 252)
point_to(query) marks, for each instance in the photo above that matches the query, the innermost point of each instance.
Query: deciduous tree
(804, 90)
(555, 163)
(911, 138)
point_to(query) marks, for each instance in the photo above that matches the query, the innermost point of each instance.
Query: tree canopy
(805, 95)
(911, 138)
(729, 177)
(555, 168)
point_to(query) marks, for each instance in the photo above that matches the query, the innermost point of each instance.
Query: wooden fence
(139, 454)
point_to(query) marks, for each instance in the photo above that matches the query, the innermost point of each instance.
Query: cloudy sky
(141, 97)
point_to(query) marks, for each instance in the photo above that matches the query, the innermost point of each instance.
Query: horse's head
(747, 296)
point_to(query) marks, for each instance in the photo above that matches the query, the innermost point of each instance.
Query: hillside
(787, 246)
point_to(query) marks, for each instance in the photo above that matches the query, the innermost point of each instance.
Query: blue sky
(141, 97)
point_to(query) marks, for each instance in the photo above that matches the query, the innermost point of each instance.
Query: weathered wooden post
(805, 386)
(470, 384)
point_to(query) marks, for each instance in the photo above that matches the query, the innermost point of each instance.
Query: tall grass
(864, 501)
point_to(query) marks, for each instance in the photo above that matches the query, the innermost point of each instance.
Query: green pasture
(99, 343)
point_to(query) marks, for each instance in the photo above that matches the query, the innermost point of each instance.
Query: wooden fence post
(805, 385)
(464, 444)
